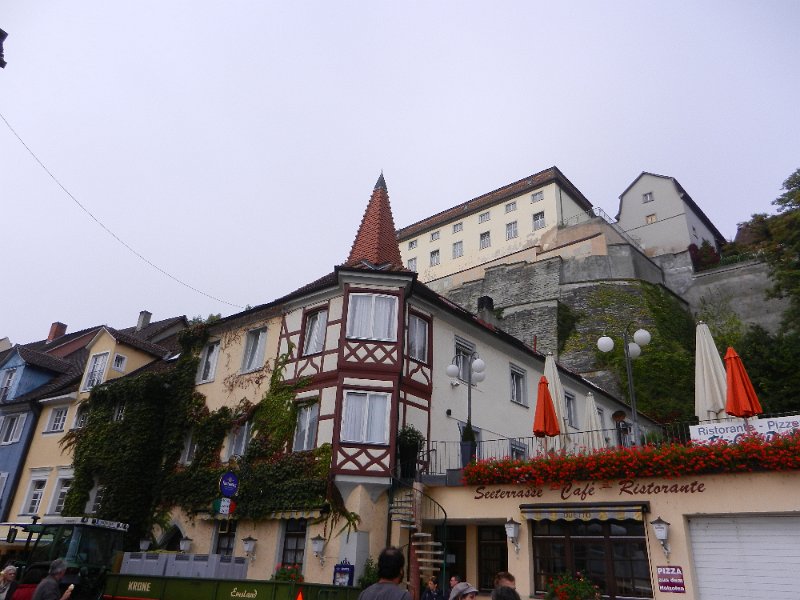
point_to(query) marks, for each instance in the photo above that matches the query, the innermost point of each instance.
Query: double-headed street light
(470, 368)
(632, 350)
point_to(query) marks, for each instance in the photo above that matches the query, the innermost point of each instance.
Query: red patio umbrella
(741, 400)
(545, 421)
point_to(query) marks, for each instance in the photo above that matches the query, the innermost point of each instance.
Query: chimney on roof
(57, 329)
(5, 344)
(144, 320)
(486, 311)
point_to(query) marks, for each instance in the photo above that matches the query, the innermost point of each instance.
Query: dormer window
(97, 368)
(6, 381)
(372, 317)
(119, 363)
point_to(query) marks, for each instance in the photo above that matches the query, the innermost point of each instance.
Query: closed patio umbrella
(545, 421)
(559, 403)
(710, 388)
(742, 400)
(593, 430)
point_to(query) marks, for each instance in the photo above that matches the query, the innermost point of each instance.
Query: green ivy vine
(137, 459)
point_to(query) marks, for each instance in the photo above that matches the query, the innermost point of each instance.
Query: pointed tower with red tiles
(375, 246)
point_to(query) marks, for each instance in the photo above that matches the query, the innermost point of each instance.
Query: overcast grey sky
(236, 144)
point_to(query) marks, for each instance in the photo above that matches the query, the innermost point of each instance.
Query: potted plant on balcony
(469, 445)
(409, 444)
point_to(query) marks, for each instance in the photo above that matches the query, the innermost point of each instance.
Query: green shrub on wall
(137, 458)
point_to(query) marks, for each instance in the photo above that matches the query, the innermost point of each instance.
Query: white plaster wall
(670, 232)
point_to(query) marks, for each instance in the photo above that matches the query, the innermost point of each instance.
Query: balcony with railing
(443, 456)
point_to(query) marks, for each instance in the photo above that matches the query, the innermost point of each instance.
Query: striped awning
(584, 512)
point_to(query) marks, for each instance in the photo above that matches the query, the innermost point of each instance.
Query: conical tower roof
(375, 246)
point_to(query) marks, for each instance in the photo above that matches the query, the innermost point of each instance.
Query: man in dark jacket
(49, 588)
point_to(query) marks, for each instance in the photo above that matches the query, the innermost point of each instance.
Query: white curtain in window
(355, 407)
(376, 422)
(418, 338)
(385, 317)
(254, 349)
(306, 427)
(359, 316)
(315, 332)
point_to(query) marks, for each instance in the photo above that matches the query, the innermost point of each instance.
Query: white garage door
(746, 557)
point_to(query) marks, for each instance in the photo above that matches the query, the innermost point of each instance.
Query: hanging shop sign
(223, 506)
(343, 573)
(228, 484)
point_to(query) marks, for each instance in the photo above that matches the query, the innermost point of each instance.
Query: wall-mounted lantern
(249, 544)
(661, 531)
(318, 546)
(512, 533)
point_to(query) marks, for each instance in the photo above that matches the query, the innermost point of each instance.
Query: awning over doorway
(585, 512)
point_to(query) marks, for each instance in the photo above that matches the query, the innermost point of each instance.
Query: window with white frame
(411, 263)
(254, 347)
(417, 338)
(58, 418)
(208, 362)
(537, 197)
(306, 431)
(647, 197)
(463, 356)
(365, 418)
(35, 494)
(518, 386)
(434, 258)
(650, 219)
(11, 428)
(458, 249)
(569, 403)
(81, 416)
(97, 368)
(119, 411)
(189, 447)
(3, 479)
(511, 230)
(601, 417)
(538, 221)
(458, 227)
(485, 240)
(62, 487)
(412, 244)
(434, 235)
(372, 317)
(511, 206)
(119, 362)
(316, 328)
(484, 216)
(238, 440)
(6, 381)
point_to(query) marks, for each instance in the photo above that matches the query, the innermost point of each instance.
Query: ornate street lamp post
(631, 350)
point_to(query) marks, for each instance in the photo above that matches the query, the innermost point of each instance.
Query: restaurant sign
(731, 430)
(670, 580)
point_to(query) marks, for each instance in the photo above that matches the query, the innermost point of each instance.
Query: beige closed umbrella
(593, 435)
(560, 442)
(710, 387)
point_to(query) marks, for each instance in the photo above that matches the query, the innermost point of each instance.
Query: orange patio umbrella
(545, 421)
(741, 401)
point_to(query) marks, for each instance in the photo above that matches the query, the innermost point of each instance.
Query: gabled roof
(375, 246)
(684, 195)
(527, 184)
(136, 342)
(152, 331)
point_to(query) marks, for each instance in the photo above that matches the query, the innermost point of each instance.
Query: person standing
(49, 587)
(8, 582)
(390, 574)
(505, 579)
(433, 592)
(454, 581)
(463, 591)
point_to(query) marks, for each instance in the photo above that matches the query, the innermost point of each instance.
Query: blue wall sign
(228, 484)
